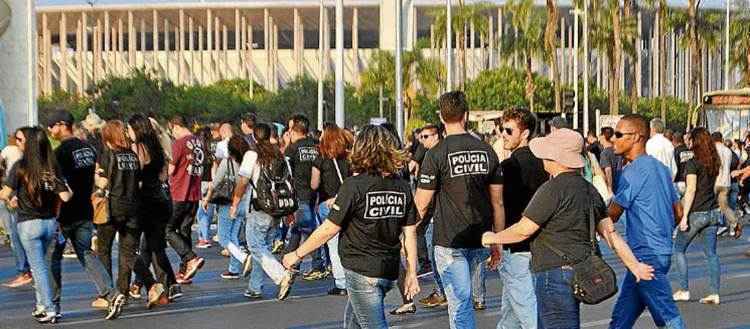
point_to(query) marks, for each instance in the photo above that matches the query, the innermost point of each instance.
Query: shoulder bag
(223, 192)
(100, 197)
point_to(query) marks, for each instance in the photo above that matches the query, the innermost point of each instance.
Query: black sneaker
(253, 294)
(175, 291)
(115, 307)
(286, 285)
(337, 292)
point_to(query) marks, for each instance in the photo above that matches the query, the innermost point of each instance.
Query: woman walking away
(119, 172)
(35, 187)
(155, 204)
(701, 214)
(371, 212)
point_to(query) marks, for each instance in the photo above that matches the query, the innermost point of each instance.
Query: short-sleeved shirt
(646, 192)
(419, 154)
(301, 156)
(329, 176)
(562, 207)
(50, 185)
(523, 174)
(705, 198)
(460, 170)
(77, 160)
(188, 156)
(681, 156)
(124, 182)
(372, 211)
(608, 159)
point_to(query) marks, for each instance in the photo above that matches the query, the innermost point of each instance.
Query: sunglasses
(507, 131)
(426, 136)
(619, 134)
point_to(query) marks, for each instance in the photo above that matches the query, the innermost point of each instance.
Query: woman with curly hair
(701, 214)
(371, 212)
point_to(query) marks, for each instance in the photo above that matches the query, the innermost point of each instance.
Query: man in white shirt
(724, 182)
(660, 147)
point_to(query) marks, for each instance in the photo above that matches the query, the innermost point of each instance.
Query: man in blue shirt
(646, 195)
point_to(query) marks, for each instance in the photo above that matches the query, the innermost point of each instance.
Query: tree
(379, 75)
(550, 44)
(739, 56)
(528, 41)
(630, 7)
(660, 19)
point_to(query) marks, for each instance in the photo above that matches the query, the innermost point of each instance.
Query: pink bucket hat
(563, 146)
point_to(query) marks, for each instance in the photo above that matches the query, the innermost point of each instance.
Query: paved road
(214, 303)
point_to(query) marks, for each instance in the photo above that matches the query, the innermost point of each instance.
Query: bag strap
(592, 239)
(338, 171)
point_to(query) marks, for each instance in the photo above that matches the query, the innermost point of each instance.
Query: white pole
(576, 12)
(449, 46)
(399, 102)
(340, 63)
(321, 67)
(586, 67)
(726, 51)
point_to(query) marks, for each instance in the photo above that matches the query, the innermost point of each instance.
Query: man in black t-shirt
(523, 174)
(77, 161)
(301, 154)
(462, 174)
(681, 156)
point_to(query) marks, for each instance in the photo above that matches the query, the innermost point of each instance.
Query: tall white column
(399, 102)
(340, 64)
(586, 68)
(321, 65)
(449, 46)
(18, 66)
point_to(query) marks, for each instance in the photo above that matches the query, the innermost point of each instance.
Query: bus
(726, 111)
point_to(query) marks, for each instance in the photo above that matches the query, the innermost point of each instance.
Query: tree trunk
(529, 84)
(380, 100)
(614, 62)
(662, 16)
(747, 70)
(629, 13)
(696, 72)
(550, 42)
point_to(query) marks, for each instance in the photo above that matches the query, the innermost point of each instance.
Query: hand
(411, 286)
(683, 225)
(329, 203)
(496, 257)
(736, 173)
(290, 259)
(232, 212)
(13, 202)
(488, 239)
(642, 271)
(204, 204)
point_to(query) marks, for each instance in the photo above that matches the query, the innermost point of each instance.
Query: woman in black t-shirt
(701, 214)
(35, 187)
(371, 212)
(328, 173)
(119, 172)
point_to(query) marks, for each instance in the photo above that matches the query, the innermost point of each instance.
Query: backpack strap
(338, 171)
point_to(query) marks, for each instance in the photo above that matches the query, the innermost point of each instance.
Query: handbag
(100, 198)
(594, 281)
(223, 192)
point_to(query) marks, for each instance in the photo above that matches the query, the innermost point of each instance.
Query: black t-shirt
(208, 161)
(561, 208)
(681, 156)
(595, 149)
(705, 198)
(77, 160)
(460, 169)
(329, 176)
(372, 212)
(123, 182)
(301, 156)
(50, 185)
(523, 174)
(419, 154)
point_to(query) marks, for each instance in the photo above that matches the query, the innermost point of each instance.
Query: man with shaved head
(645, 194)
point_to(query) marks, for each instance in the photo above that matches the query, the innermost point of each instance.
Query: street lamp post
(321, 67)
(449, 46)
(726, 51)
(399, 102)
(340, 63)
(575, 13)
(586, 67)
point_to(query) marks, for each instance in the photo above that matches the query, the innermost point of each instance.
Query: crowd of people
(372, 211)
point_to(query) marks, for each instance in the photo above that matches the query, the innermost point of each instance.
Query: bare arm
(315, 179)
(687, 201)
(615, 211)
(517, 232)
(498, 207)
(615, 242)
(320, 236)
(410, 247)
(608, 177)
(422, 200)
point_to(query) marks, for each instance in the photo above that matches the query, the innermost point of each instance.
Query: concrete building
(18, 88)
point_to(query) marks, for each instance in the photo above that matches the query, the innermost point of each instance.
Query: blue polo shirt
(646, 192)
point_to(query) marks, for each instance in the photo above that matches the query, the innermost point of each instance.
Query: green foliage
(78, 106)
(677, 111)
(207, 103)
(504, 88)
(121, 97)
(426, 109)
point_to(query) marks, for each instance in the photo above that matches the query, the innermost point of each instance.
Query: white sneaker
(710, 299)
(681, 296)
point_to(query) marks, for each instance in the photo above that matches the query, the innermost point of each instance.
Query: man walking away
(660, 147)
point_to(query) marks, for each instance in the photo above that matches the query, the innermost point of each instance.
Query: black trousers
(154, 241)
(179, 229)
(129, 237)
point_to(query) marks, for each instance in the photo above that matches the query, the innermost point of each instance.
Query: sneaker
(47, 317)
(722, 230)
(252, 294)
(247, 266)
(115, 307)
(224, 252)
(230, 276)
(38, 312)
(479, 306)
(313, 275)
(135, 291)
(681, 296)
(286, 285)
(710, 299)
(100, 303)
(203, 244)
(193, 266)
(409, 308)
(180, 278)
(278, 246)
(175, 291)
(69, 252)
(157, 296)
(216, 238)
(337, 292)
(19, 281)
(435, 299)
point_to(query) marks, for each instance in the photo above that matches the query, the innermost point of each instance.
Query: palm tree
(630, 7)
(739, 56)
(550, 43)
(661, 16)
(528, 41)
(379, 75)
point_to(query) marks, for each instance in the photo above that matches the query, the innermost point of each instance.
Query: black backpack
(274, 191)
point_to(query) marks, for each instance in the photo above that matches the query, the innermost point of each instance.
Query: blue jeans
(8, 217)
(229, 231)
(333, 251)
(259, 231)
(556, 305)
(656, 295)
(431, 255)
(204, 217)
(706, 224)
(365, 308)
(36, 236)
(457, 267)
(306, 223)
(518, 301)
